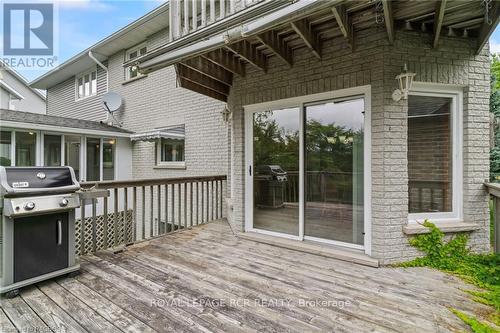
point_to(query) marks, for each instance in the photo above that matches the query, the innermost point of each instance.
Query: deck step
(325, 250)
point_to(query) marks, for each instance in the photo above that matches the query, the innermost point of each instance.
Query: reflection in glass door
(276, 144)
(334, 208)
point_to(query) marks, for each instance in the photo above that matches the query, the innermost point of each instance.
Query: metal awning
(176, 133)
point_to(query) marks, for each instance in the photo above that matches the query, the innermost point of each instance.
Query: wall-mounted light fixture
(226, 115)
(405, 81)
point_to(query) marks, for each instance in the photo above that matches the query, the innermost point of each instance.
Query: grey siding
(376, 63)
(61, 100)
(150, 102)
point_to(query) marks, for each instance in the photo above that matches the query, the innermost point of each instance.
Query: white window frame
(169, 164)
(38, 144)
(456, 94)
(101, 155)
(82, 76)
(127, 54)
(42, 146)
(300, 102)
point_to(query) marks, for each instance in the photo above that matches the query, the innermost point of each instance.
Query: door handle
(250, 170)
(59, 232)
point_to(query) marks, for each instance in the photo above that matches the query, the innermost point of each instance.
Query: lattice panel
(123, 231)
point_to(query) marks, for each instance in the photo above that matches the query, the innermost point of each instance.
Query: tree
(495, 109)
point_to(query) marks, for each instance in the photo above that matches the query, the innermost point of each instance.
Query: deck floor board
(208, 280)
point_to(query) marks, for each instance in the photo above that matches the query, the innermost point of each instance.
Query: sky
(85, 22)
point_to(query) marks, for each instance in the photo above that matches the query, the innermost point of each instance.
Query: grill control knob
(64, 202)
(29, 205)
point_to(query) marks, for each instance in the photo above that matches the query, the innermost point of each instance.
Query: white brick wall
(377, 63)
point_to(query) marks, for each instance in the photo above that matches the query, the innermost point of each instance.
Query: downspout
(100, 64)
(294, 11)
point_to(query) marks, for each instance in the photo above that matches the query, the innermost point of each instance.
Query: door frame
(299, 102)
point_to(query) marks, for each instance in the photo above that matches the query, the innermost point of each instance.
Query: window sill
(84, 98)
(446, 227)
(137, 78)
(173, 165)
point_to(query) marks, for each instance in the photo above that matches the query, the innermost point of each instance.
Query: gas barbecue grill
(37, 230)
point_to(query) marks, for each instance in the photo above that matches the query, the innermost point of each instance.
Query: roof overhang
(123, 39)
(61, 129)
(13, 92)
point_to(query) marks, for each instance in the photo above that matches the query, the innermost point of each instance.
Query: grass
(454, 257)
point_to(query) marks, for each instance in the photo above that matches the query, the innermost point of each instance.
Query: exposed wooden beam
(201, 79)
(210, 69)
(344, 23)
(486, 29)
(389, 20)
(226, 60)
(201, 90)
(304, 30)
(438, 21)
(249, 53)
(276, 44)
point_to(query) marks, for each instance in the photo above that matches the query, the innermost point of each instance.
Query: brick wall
(376, 63)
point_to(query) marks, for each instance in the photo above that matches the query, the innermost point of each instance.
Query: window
(72, 153)
(5, 148)
(52, 150)
(86, 84)
(25, 149)
(137, 51)
(433, 146)
(108, 159)
(93, 159)
(172, 150)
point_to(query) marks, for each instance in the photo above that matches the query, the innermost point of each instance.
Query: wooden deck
(207, 280)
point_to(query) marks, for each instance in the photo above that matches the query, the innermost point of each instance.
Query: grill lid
(16, 181)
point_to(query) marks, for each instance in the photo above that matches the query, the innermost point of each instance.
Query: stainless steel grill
(37, 230)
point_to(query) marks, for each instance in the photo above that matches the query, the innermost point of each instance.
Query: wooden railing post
(496, 209)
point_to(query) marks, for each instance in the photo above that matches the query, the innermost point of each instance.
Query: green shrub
(454, 257)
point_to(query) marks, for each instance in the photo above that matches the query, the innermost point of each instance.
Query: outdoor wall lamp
(226, 115)
(405, 81)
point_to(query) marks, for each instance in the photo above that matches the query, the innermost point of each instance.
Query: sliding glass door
(276, 171)
(306, 171)
(334, 171)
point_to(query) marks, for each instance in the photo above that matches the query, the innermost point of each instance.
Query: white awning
(171, 133)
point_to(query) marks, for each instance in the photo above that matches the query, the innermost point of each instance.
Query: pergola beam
(306, 33)
(274, 43)
(249, 53)
(486, 29)
(201, 79)
(343, 22)
(389, 19)
(226, 60)
(438, 21)
(210, 69)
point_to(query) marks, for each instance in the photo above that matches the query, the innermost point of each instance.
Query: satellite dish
(112, 101)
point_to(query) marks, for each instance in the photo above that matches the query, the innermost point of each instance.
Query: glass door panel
(334, 208)
(276, 170)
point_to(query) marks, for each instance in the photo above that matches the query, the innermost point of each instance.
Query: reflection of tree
(274, 144)
(330, 147)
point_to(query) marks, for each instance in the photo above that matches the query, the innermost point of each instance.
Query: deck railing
(118, 213)
(494, 190)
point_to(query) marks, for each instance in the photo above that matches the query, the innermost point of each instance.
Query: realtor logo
(28, 29)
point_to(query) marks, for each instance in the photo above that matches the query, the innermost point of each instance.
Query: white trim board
(300, 102)
(455, 92)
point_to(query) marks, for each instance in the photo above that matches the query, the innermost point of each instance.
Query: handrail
(494, 191)
(107, 184)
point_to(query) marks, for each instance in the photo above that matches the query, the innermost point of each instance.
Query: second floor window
(133, 53)
(86, 84)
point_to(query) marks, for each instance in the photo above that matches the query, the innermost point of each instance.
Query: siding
(376, 63)
(31, 102)
(150, 102)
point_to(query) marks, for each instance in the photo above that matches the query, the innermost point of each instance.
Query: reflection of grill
(38, 225)
(270, 180)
